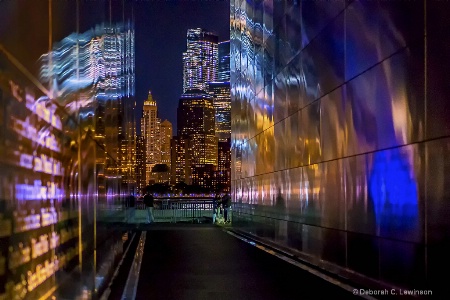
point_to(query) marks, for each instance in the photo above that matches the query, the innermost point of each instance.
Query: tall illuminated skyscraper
(141, 161)
(200, 61)
(222, 107)
(196, 138)
(224, 62)
(195, 113)
(150, 132)
(223, 176)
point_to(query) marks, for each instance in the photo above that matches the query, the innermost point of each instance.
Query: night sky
(160, 28)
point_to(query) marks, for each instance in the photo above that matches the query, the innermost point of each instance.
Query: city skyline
(159, 63)
(158, 52)
(318, 131)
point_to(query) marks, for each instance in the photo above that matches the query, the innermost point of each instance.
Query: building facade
(161, 173)
(223, 73)
(127, 168)
(222, 107)
(200, 61)
(166, 133)
(150, 129)
(195, 114)
(195, 133)
(141, 161)
(204, 175)
(223, 174)
(179, 172)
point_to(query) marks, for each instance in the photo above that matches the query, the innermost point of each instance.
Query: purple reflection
(393, 191)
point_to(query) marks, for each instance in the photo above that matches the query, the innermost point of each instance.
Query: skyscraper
(196, 135)
(150, 132)
(166, 133)
(178, 155)
(195, 113)
(222, 106)
(224, 62)
(105, 89)
(224, 166)
(140, 163)
(200, 61)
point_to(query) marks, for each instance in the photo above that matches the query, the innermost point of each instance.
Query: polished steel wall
(60, 208)
(341, 134)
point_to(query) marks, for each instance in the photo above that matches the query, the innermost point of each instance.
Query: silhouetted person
(226, 202)
(216, 201)
(131, 204)
(148, 201)
(279, 202)
(280, 206)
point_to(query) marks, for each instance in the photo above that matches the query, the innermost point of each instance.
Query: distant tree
(180, 187)
(195, 189)
(159, 188)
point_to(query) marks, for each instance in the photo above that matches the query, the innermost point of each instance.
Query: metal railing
(175, 210)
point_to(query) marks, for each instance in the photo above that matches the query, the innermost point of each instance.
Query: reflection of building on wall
(222, 105)
(200, 61)
(61, 144)
(104, 85)
(127, 156)
(329, 101)
(35, 159)
(140, 163)
(151, 132)
(195, 118)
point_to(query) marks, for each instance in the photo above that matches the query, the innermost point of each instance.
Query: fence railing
(176, 210)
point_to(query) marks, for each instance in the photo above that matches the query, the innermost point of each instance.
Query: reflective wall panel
(347, 152)
(63, 80)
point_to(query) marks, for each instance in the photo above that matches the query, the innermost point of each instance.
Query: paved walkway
(201, 261)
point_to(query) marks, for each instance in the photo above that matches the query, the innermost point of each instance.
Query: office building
(195, 135)
(222, 107)
(161, 173)
(223, 174)
(179, 172)
(200, 61)
(151, 133)
(141, 161)
(166, 133)
(223, 74)
(204, 175)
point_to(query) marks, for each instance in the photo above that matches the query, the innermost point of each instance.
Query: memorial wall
(340, 134)
(61, 197)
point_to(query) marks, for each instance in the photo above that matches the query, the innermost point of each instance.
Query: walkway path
(200, 261)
